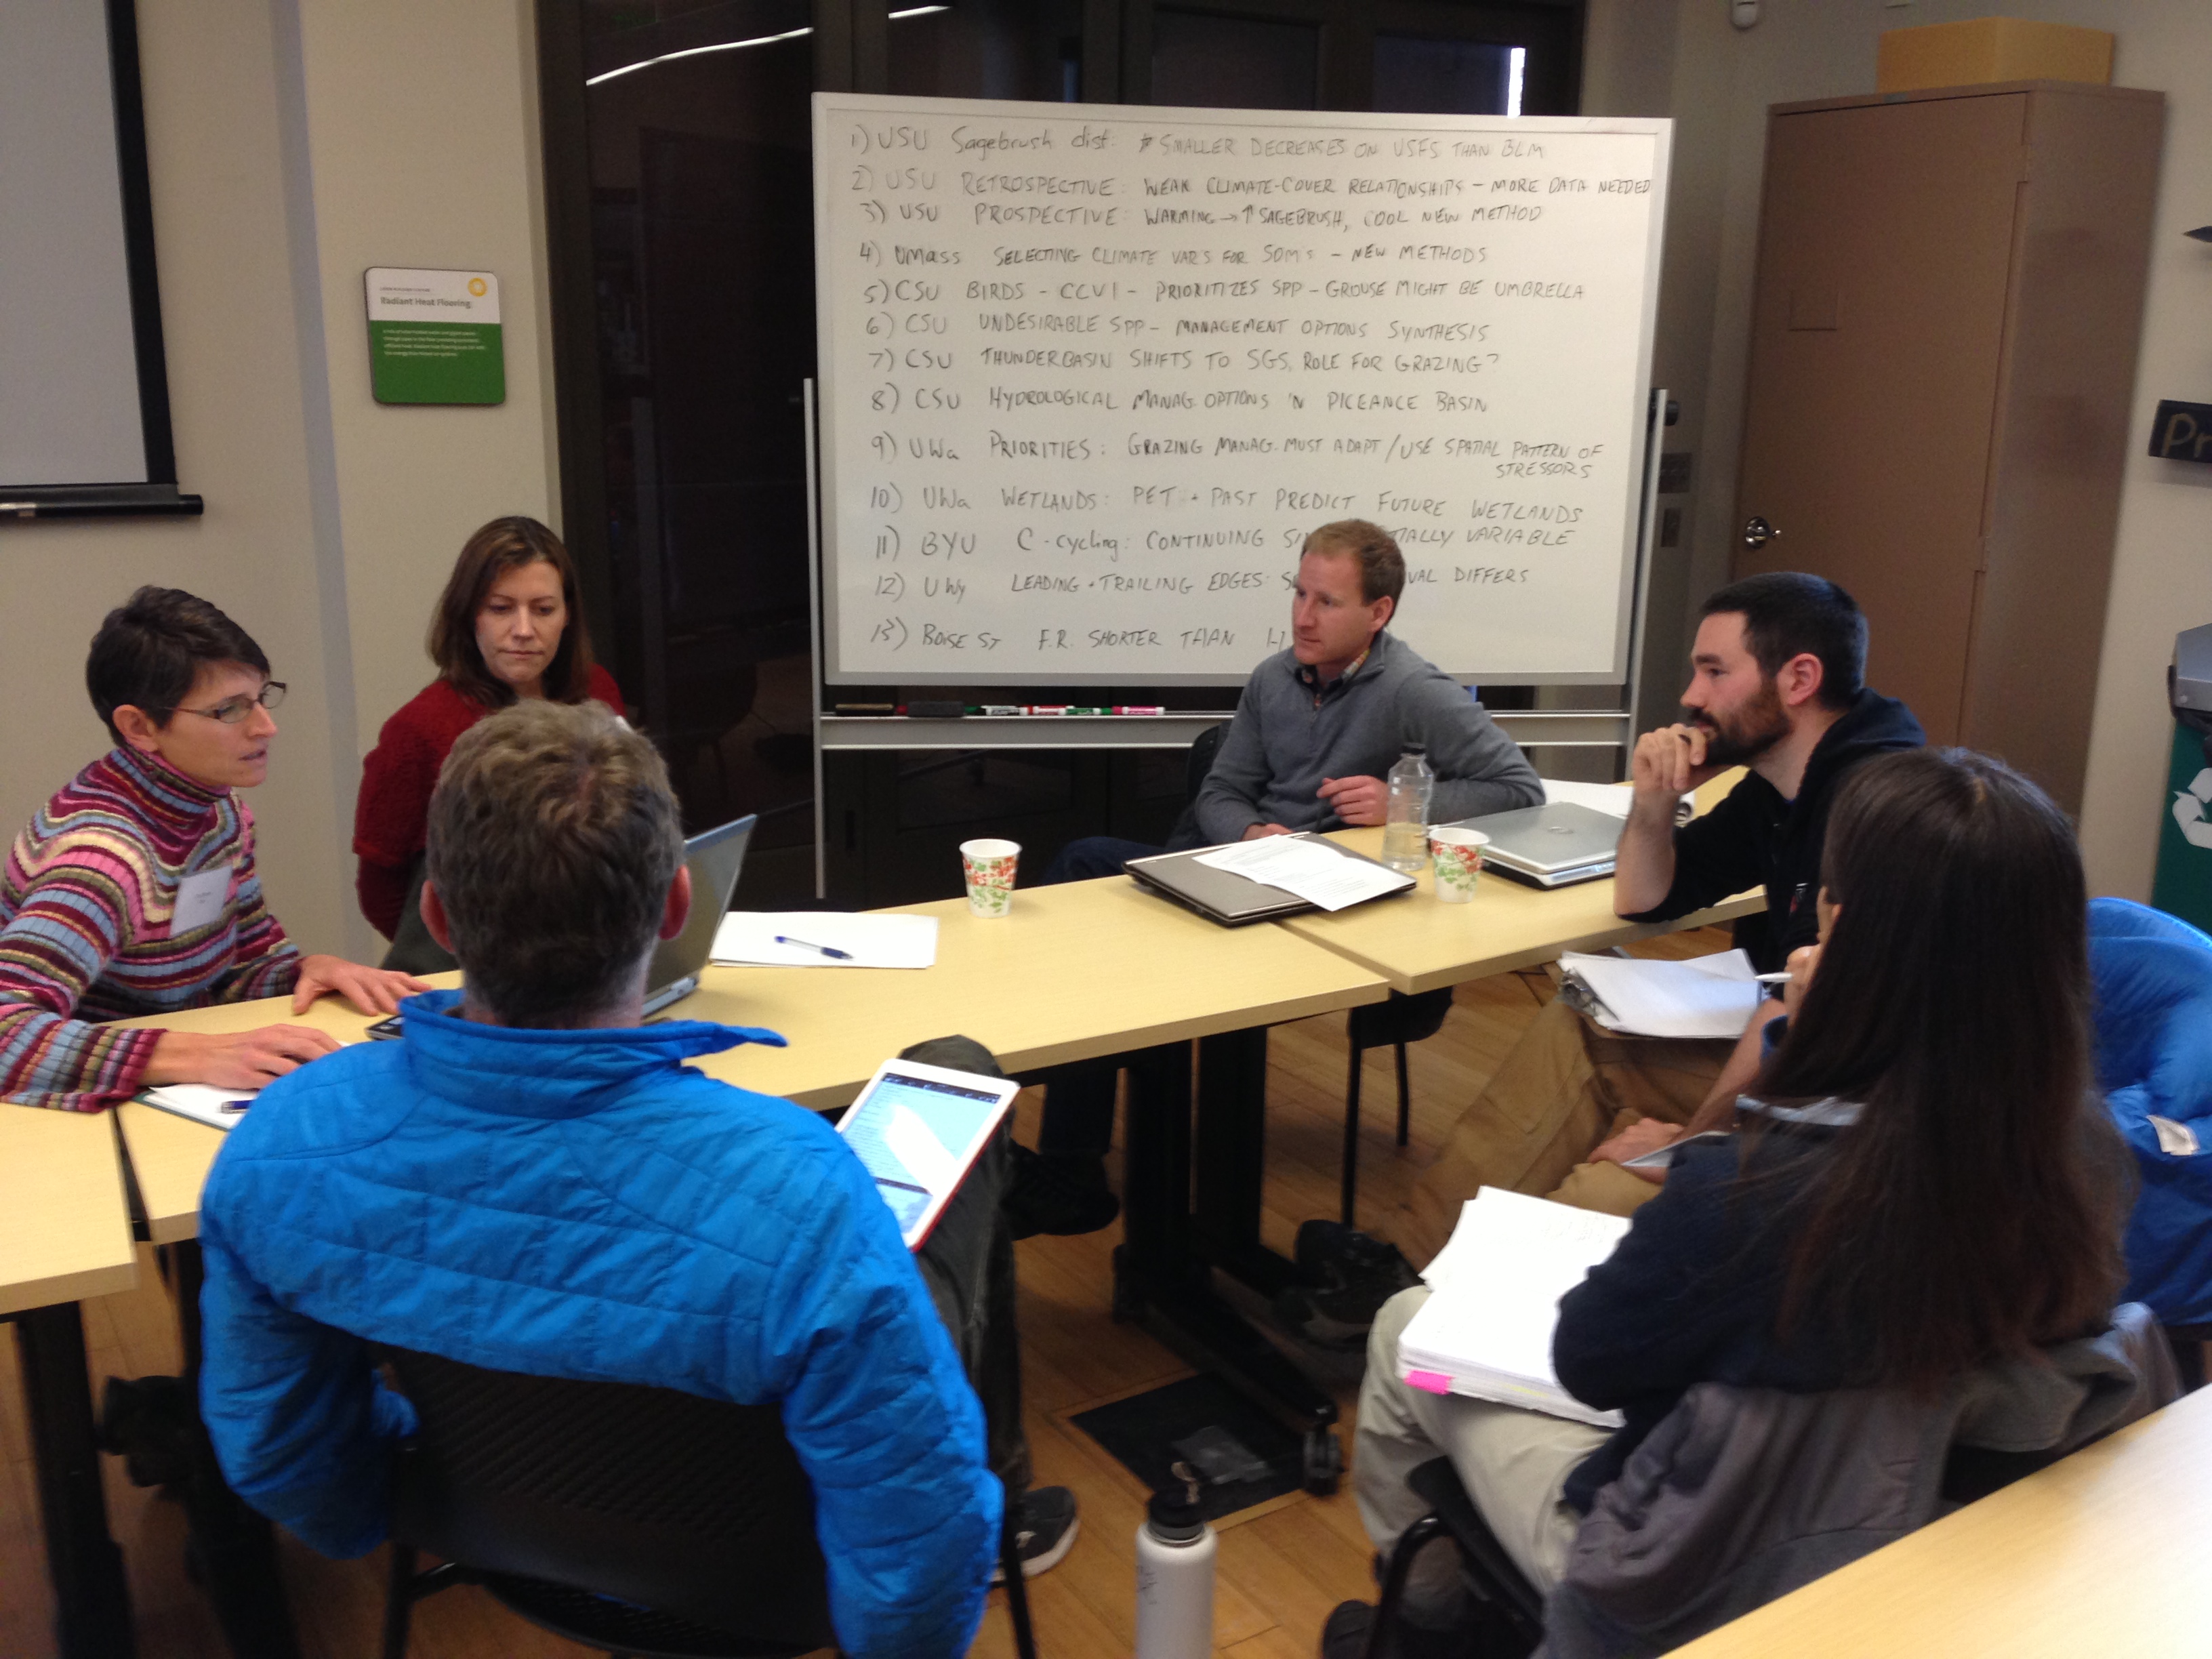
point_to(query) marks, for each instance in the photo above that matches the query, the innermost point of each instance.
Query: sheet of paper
(748, 938)
(200, 1102)
(1319, 875)
(1711, 996)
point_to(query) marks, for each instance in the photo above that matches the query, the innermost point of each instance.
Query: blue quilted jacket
(582, 1204)
(2153, 978)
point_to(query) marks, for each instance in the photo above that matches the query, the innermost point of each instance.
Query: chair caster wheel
(1324, 1462)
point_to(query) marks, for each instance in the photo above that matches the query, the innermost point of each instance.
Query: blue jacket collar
(547, 1074)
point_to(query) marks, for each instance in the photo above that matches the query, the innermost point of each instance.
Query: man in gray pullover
(1317, 729)
(1319, 725)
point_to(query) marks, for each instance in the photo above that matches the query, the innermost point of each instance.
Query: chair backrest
(690, 1506)
(1203, 748)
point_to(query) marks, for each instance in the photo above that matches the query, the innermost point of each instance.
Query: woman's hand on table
(236, 1060)
(371, 990)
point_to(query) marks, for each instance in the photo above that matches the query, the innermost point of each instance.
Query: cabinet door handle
(1759, 533)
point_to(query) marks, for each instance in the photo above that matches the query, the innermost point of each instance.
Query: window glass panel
(699, 136)
(1234, 63)
(1031, 49)
(1421, 76)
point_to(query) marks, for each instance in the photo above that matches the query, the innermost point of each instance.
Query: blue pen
(806, 945)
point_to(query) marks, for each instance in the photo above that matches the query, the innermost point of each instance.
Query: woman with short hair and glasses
(134, 892)
(509, 628)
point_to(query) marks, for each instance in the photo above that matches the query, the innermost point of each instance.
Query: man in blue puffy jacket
(533, 1181)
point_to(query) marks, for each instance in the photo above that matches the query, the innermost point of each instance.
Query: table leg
(92, 1601)
(234, 1544)
(1232, 1159)
(1160, 1269)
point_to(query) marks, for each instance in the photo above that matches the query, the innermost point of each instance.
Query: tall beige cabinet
(1950, 294)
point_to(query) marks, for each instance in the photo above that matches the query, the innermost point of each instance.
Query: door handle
(1758, 532)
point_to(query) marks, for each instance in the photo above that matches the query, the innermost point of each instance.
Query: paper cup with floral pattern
(988, 865)
(1458, 855)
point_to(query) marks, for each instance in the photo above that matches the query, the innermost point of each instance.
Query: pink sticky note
(1428, 1382)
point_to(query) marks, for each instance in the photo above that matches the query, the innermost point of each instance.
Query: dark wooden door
(1885, 249)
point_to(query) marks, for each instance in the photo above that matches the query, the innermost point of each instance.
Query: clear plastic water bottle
(1406, 826)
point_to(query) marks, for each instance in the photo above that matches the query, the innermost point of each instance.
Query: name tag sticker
(2175, 1140)
(200, 900)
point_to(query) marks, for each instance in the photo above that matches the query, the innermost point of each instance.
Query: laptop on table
(1223, 896)
(714, 857)
(1555, 845)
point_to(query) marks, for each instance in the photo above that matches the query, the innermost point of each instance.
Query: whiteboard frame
(824, 104)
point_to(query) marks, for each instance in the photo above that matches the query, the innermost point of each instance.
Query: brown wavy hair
(1973, 1212)
(502, 545)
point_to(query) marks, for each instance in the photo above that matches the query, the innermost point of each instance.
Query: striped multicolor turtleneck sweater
(85, 906)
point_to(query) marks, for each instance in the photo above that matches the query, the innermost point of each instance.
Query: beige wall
(1717, 82)
(292, 145)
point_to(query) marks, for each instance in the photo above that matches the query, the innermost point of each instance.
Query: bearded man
(1776, 685)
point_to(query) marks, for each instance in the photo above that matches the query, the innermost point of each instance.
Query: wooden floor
(1282, 1566)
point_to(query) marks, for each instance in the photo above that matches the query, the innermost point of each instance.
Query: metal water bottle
(1406, 824)
(1174, 1574)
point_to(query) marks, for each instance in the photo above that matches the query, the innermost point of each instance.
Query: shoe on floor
(1061, 1195)
(1349, 1276)
(1343, 1632)
(1045, 1526)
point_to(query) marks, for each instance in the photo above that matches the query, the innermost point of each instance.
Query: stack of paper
(219, 1109)
(749, 938)
(1598, 797)
(1485, 1330)
(1711, 996)
(1310, 869)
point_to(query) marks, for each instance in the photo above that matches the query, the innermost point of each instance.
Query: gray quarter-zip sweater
(1286, 739)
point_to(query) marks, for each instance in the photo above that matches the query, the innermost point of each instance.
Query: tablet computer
(918, 1129)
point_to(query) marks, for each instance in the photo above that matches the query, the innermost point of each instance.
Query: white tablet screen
(916, 1135)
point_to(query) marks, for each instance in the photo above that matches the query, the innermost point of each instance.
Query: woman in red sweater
(506, 627)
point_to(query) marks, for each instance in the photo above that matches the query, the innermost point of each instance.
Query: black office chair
(648, 1522)
(1397, 1022)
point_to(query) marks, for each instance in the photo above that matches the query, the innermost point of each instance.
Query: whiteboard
(1092, 372)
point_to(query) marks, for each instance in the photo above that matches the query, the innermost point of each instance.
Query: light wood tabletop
(1071, 973)
(2103, 1552)
(1419, 943)
(64, 1226)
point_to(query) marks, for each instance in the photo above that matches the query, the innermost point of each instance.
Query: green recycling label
(2184, 884)
(433, 337)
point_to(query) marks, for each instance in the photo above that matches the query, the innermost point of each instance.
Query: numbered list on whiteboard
(1090, 376)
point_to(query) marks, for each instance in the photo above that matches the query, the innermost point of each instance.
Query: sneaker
(1350, 1275)
(1343, 1634)
(1045, 1526)
(1063, 1197)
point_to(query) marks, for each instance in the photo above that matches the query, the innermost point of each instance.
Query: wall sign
(2182, 431)
(434, 336)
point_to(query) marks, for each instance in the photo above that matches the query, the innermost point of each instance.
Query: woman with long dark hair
(507, 627)
(1923, 1181)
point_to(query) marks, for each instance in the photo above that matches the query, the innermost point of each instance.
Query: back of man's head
(553, 839)
(1788, 614)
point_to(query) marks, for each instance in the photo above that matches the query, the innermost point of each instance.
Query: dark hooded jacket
(1755, 837)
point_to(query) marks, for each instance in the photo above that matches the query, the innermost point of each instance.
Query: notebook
(1485, 1330)
(1235, 900)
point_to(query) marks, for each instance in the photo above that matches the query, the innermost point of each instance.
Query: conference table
(65, 1236)
(2103, 1552)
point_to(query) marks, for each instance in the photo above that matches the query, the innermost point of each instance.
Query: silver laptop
(1550, 846)
(713, 857)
